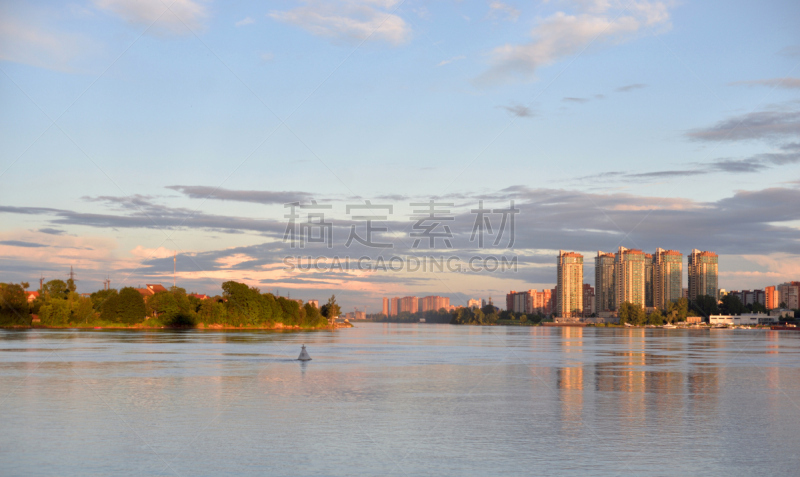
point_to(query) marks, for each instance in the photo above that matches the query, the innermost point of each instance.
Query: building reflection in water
(570, 378)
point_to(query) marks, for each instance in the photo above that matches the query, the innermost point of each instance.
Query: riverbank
(199, 326)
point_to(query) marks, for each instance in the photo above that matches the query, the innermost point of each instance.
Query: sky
(135, 131)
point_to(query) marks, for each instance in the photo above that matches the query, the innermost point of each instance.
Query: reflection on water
(393, 399)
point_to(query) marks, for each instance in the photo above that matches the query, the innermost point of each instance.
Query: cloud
(46, 46)
(630, 87)
(500, 10)
(519, 110)
(244, 21)
(576, 100)
(266, 57)
(254, 196)
(173, 16)
(791, 51)
(447, 62)
(19, 243)
(767, 124)
(51, 231)
(788, 83)
(786, 154)
(351, 21)
(561, 35)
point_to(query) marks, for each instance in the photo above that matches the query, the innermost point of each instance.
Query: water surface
(389, 399)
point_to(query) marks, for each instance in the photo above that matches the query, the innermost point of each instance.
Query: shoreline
(201, 327)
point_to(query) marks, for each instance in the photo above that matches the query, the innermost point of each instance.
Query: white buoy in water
(304, 354)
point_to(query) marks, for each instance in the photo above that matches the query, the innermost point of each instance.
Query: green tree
(631, 313)
(706, 305)
(677, 310)
(655, 318)
(56, 289)
(758, 308)
(100, 296)
(14, 309)
(127, 307)
(732, 305)
(331, 310)
(71, 285)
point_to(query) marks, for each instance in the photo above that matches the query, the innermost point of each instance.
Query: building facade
(703, 270)
(588, 299)
(569, 285)
(434, 303)
(604, 282)
(789, 294)
(474, 303)
(648, 280)
(629, 277)
(771, 298)
(385, 306)
(667, 277)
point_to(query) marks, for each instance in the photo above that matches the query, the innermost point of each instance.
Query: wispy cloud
(174, 17)
(575, 100)
(348, 20)
(500, 10)
(244, 21)
(254, 196)
(766, 124)
(599, 22)
(30, 42)
(447, 62)
(787, 154)
(788, 83)
(630, 87)
(519, 110)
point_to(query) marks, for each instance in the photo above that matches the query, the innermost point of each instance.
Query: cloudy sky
(136, 129)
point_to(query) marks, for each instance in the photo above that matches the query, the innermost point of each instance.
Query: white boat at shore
(669, 326)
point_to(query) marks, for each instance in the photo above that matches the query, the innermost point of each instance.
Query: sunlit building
(385, 306)
(629, 277)
(703, 274)
(604, 282)
(434, 303)
(667, 277)
(771, 298)
(569, 299)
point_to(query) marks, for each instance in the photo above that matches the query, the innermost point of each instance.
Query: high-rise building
(790, 294)
(409, 304)
(703, 274)
(629, 277)
(474, 303)
(569, 299)
(667, 277)
(588, 299)
(395, 309)
(385, 306)
(648, 280)
(604, 282)
(434, 303)
(518, 302)
(772, 298)
(542, 302)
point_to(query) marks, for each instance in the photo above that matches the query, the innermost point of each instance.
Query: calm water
(401, 400)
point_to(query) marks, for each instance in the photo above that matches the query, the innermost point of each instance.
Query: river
(401, 399)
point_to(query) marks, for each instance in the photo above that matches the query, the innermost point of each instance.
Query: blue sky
(642, 117)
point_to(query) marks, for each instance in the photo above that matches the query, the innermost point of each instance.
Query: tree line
(239, 305)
